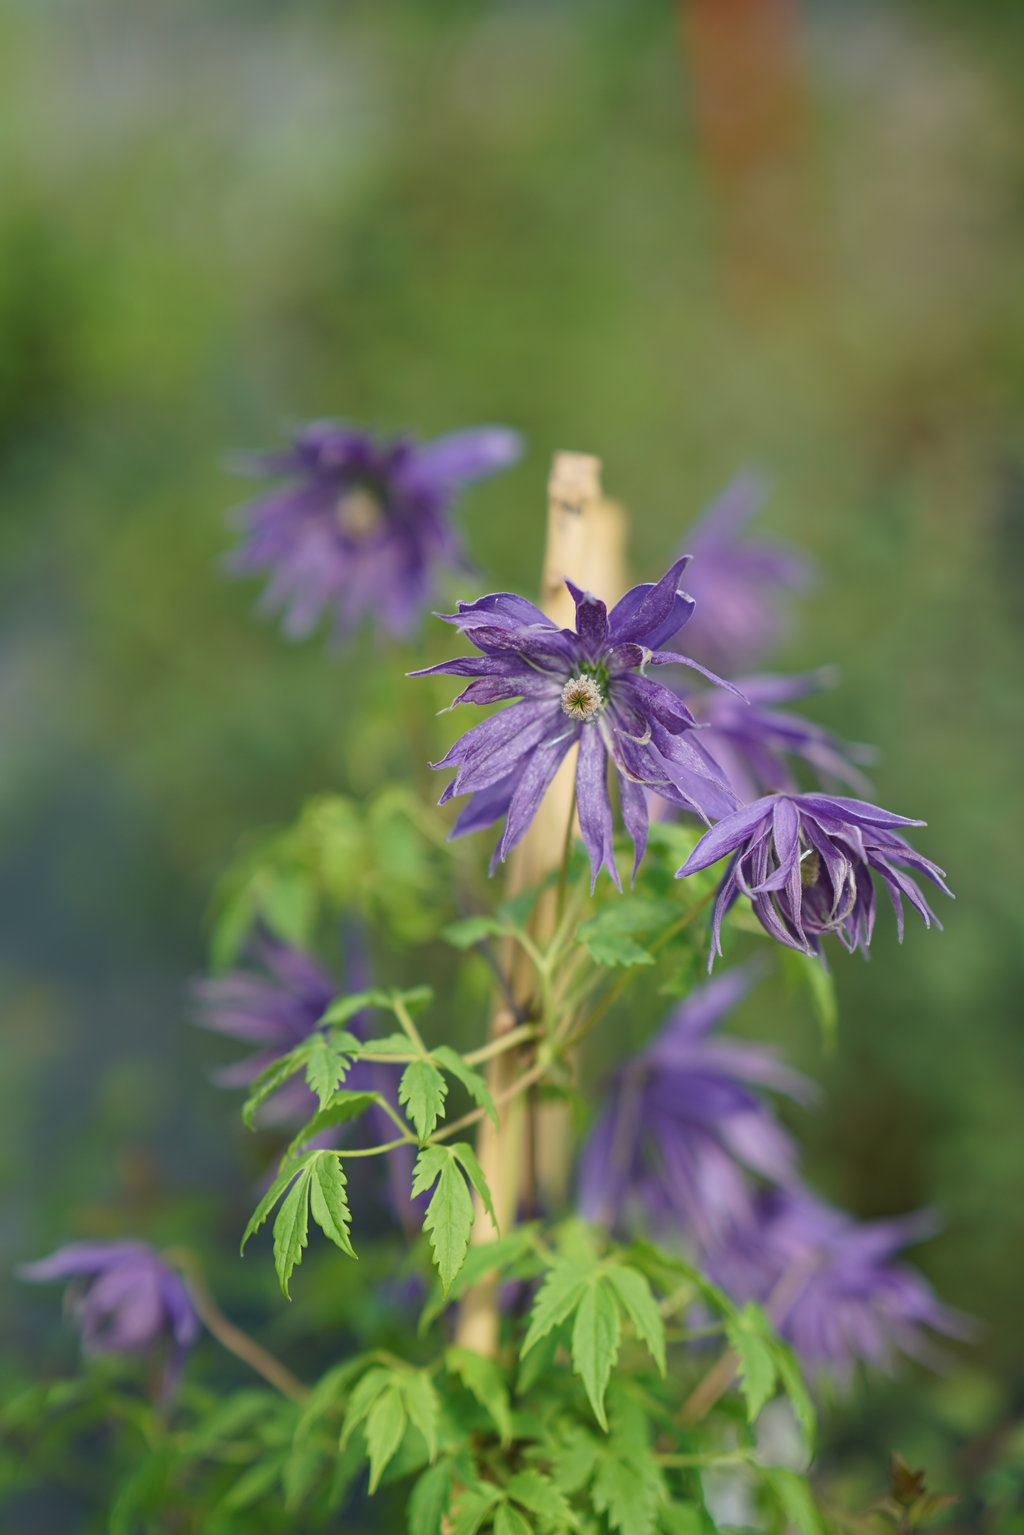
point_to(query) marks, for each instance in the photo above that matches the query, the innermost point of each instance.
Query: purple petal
(594, 806)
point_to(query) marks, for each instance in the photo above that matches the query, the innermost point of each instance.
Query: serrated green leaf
(299, 1475)
(344, 1008)
(792, 1378)
(755, 1358)
(364, 1394)
(421, 1093)
(794, 1498)
(449, 1217)
(488, 1257)
(266, 1083)
(430, 1499)
(269, 1200)
(634, 1291)
(616, 949)
(384, 1429)
(471, 1080)
(472, 930)
(556, 1299)
(326, 1067)
(327, 1393)
(291, 1230)
(596, 1334)
(328, 1201)
(509, 1521)
(483, 1379)
(423, 1406)
(684, 1519)
(574, 1459)
(539, 1495)
(389, 1044)
(625, 1489)
(344, 1106)
(254, 1483)
(466, 1156)
(471, 1510)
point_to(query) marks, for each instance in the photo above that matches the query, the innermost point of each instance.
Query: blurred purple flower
(277, 1010)
(831, 1284)
(805, 861)
(685, 1127)
(275, 1007)
(130, 1300)
(589, 686)
(754, 741)
(740, 587)
(362, 523)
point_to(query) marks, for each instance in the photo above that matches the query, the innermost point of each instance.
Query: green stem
(376, 1151)
(231, 1337)
(611, 997)
(509, 1041)
(404, 1018)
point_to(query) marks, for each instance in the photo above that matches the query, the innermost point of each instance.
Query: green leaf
(384, 1429)
(615, 949)
(472, 1509)
(483, 1379)
(625, 1489)
(344, 1008)
(449, 1217)
(254, 1483)
(328, 1201)
(810, 975)
(270, 1199)
(423, 1406)
(266, 1083)
(364, 1394)
(684, 1519)
(488, 1257)
(345, 1105)
(539, 1495)
(291, 1230)
(299, 1475)
(794, 1498)
(421, 1093)
(471, 1080)
(429, 1500)
(389, 1044)
(754, 1352)
(595, 1343)
(575, 1458)
(472, 930)
(508, 1521)
(635, 1294)
(326, 1066)
(556, 1299)
(466, 1156)
(791, 1376)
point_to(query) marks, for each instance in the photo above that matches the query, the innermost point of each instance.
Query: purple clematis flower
(277, 1010)
(274, 1010)
(361, 524)
(740, 586)
(805, 861)
(831, 1284)
(130, 1300)
(589, 687)
(685, 1127)
(755, 741)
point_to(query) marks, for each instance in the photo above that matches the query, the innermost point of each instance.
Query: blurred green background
(685, 239)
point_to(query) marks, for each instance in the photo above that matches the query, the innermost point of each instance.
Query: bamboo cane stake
(585, 537)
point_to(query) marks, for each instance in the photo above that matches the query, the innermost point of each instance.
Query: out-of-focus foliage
(218, 220)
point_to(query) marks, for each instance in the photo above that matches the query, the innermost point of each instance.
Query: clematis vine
(589, 687)
(806, 861)
(686, 1132)
(361, 524)
(832, 1285)
(128, 1300)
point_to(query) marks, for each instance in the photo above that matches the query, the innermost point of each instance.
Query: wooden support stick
(584, 543)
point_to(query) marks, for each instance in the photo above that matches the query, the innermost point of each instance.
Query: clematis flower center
(810, 867)
(582, 698)
(359, 514)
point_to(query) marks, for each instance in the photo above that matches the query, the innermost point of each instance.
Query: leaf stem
(231, 1337)
(405, 1019)
(509, 1041)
